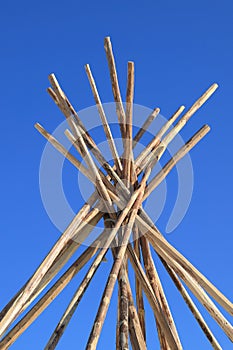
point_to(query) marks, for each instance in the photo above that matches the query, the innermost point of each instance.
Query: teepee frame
(118, 187)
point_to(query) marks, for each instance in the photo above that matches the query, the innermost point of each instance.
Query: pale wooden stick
(61, 260)
(60, 99)
(152, 158)
(115, 85)
(192, 307)
(138, 287)
(156, 140)
(92, 166)
(64, 321)
(104, 120)
(157, 286)
(105, 179)
(181, 123)
(199, 293)
(53, 95)
(42, 304)
(124, 309)
(156, 239)
(63, 150)
(136, 336)
(128, 154)
(152, 298)
(118, 320)
(135, 331)
(189, 114)
(37, 277)
(101, 314)
(70, 157)
(175, 159)
(145, 126)
(126, 175)
(130, 176)
(161, 336)
(95, 333)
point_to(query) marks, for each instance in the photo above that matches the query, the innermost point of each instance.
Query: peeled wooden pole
(175, 159)
(182, 122)
(63, 150)
(152, 299)
(156, 239)
(36, 279)
(127, 141)
(213, 341)
(138, 286)
(135, 331)
(126, 176)
(58, 264)
(200, 294)
(92, 166)
(52, 293)
(154, 279)
(115, 85)
(157, 138)
(103, 117)
(136, 335)
(145, 126)
(123, 306)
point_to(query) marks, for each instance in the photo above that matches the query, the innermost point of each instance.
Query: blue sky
(179, 48)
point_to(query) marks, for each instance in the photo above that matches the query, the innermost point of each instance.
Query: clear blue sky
(179, 49)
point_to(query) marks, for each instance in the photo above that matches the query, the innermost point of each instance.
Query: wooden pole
(138, 286)
(213, 341)
(52, 293)
(104, 120)
(157, 286)
(115, 85)
(145, 126)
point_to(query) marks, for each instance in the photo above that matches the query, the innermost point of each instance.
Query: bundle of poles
(128, 232)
